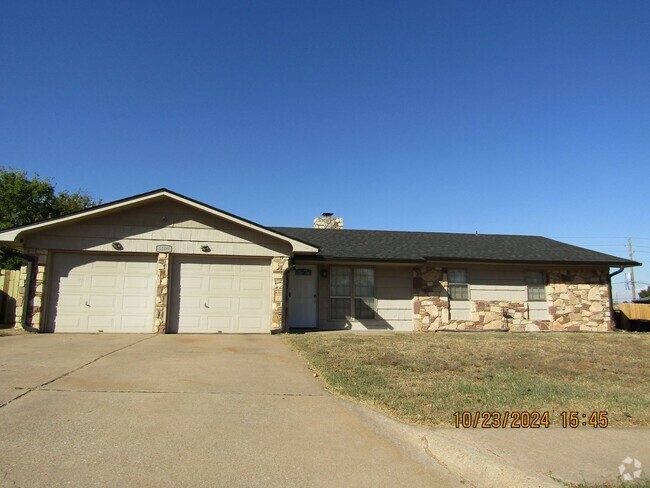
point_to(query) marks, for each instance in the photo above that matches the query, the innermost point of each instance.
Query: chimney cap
(328, 214)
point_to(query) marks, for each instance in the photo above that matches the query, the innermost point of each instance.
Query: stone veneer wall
(579, 300)
(499, 315)
(278, 266)
(576, 300)
(430, 299)
(162, 293)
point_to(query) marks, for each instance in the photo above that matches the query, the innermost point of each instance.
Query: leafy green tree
(25, 200)
(645, 293)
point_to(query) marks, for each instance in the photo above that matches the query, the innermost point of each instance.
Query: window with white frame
(458, 286)
(352, 293)
(535, 285)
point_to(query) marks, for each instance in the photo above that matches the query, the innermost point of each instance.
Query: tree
(645, 293)
(24, 200)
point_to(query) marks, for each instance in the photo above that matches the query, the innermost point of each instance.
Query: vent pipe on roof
(327, 221)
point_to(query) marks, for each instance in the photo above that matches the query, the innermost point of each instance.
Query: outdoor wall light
(323, 273)
(117, 246)
(205, 248)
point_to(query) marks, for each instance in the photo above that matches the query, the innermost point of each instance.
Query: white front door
(303, 298)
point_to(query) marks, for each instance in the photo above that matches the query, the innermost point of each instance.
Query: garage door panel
(137, 284)
(253, 269)
(70, 300)
(251, 284)
(72, 282)
(73, 322)
(104, 322)
(251, 305)
(222, 304)
(221, 283)
(95, 292)
(236, 291)
(103, 301)
(103, 265)
(132, 303)
(99, 282)
(134, 323)
(219, 324)
(193, 282)
(250, 324)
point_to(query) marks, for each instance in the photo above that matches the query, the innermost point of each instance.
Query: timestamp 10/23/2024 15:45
(524, 419)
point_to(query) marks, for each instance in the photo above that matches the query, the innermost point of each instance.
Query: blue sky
(520, 117)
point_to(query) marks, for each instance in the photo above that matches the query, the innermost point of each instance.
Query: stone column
(278, 265)
(35, 303)
(430, 299)
(22, 297)
(162, 293)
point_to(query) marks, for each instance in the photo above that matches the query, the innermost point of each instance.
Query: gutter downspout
(611, 298)
(31, 262)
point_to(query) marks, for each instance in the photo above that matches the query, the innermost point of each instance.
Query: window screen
(458, 286)
(535, 282)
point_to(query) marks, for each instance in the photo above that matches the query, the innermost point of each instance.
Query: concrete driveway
(186, 410)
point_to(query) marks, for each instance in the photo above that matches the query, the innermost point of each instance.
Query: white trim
(12, 235)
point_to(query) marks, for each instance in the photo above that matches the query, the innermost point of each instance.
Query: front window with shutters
(352, 293)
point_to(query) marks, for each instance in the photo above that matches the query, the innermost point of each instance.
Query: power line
(600, 237)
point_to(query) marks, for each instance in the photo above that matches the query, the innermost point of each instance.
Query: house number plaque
(163, 248)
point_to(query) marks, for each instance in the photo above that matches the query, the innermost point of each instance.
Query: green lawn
(425, 377)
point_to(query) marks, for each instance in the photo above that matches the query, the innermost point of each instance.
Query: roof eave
(624, 262)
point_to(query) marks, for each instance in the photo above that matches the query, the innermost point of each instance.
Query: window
(352, 293)
(340, 292)
(535, 283)
(458, 286)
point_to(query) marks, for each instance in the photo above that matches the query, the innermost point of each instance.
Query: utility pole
(629, 242)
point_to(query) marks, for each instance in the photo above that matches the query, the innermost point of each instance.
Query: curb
(471, 464)
(478, 466)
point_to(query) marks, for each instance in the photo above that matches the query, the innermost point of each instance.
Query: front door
(303, 299)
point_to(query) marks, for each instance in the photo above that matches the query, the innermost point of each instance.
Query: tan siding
(394, 291)
(394, 294)
(142, 228)
(497, 285)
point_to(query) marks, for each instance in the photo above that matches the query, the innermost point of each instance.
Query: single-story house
(162, 262)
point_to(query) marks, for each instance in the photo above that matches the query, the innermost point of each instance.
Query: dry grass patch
(425, 377)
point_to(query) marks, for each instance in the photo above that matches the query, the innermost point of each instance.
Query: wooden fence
(9, 284)
(635, 311)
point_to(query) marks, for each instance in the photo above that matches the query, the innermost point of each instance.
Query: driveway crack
(181, 392)
(32, 388)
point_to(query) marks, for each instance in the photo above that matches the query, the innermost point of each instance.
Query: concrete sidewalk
(527, 457)
(489, 457)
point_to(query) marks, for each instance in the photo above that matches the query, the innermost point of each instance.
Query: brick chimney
(326, 221)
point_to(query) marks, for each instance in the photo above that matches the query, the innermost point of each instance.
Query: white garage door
(211, 295)
(101, 293)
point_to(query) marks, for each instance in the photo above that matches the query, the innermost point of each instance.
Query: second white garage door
(211, 295)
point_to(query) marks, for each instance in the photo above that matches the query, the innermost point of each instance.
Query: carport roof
(394, 246)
